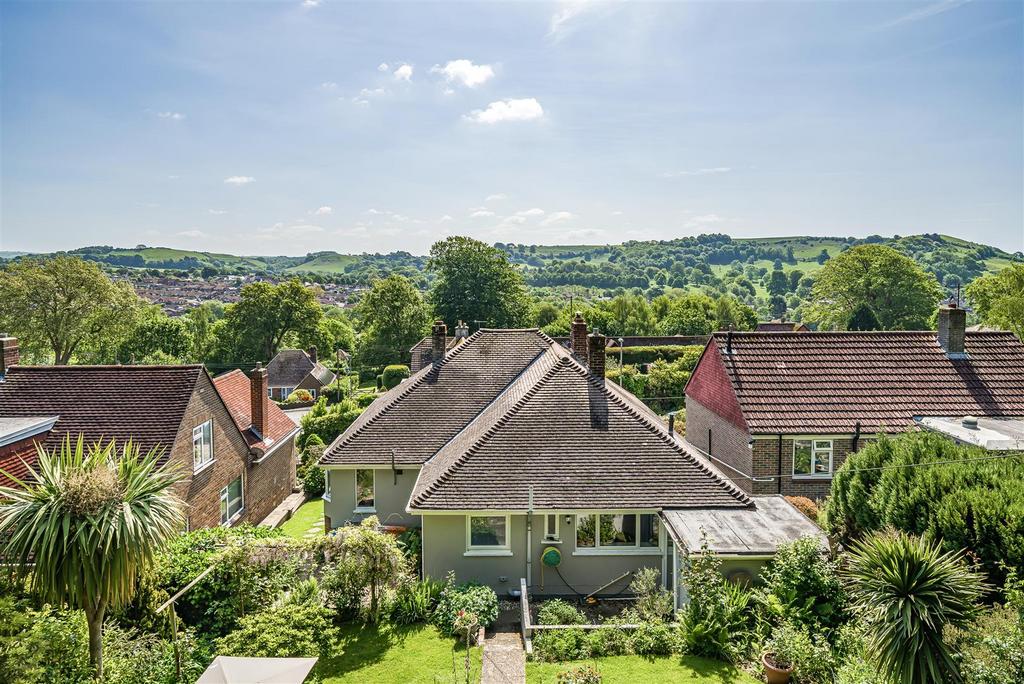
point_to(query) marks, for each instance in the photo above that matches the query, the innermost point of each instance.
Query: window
(285, 391)
(231, 502)
(364, 489)
(551, 528)
(618, 531)
(327, 485)
(487, 531)
(812, 457)
(202, 445)
(312, 391)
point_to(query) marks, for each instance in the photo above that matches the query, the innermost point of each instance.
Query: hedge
(393, 375)
(635, 355)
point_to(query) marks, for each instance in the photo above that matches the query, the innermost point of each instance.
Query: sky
(310, 125)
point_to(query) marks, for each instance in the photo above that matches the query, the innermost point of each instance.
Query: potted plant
(782, 653)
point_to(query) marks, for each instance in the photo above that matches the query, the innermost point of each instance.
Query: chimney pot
(952, 330)
(312, 354)
(439, 339)
(9, 354)
(258, 400)
(578, 339)
(596, 343)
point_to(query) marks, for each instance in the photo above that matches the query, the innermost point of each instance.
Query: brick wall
(269, 482)
(201, 491)
(729, 445)
(766, 457)
(711, 387)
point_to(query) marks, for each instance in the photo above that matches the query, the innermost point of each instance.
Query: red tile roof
(145, 404)
(15, 460)
(826, 382)
(233, 388)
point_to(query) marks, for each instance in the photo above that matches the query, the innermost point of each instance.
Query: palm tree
(86, 523)
(908, 590)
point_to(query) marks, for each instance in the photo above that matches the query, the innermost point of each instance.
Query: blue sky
(288, 127)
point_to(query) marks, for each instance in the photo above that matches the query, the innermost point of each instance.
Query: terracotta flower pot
(774, 673)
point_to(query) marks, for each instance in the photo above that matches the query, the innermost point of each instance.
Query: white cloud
(403, 73)
(481, 213)
(517, 219)
(310, 3)
(703, 220)
(923, 13)
(322, 211)
(531, 212)
(465, 72)
(557, 217)
(445, 219)
(372, 92)
(217, 212)
(382, 67)
(496, 197)
(328, 85)
(561, 21)
(289, 231)
(697, 172)
(192, 233)
(360, 101)
(525, 109)
(617, 212)
(239, 180)
(173, 116)
(374, 212)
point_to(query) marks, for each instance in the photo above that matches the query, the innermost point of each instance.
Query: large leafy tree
(265, 314)
(692, 314)
(902, 295)
(394, 317)
(63, 307)
(86, 524)
(999, 299)
(156, 337)
(477, 284)
(908, 590)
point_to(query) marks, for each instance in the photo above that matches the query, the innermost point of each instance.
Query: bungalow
(510, 447)
(779, 412)
(293, 369)
(234, 447)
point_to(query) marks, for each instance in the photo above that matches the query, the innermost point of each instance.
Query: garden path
(504, 660)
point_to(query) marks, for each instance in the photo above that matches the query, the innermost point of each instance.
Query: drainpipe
(856, 437)
(778, 468)
(529, 540)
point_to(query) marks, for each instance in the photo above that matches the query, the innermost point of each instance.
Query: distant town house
(233, 446)
(294, 369)
(779, 412)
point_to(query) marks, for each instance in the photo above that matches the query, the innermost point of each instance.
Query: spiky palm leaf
(86, 523)
(908, 590)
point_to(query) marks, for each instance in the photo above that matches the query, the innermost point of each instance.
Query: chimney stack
(312, 354)
(439, 336)
(9, 355)
(258, 399)
(578, 340)
(461, 331)
(952, 328)
(595, 345)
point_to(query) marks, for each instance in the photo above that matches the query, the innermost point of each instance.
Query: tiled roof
(289, 368)
(324, 375)
(422, 353)
(143, 403)
(15, 461)
(420, 415)
(233, 388)
(825, 382)
(579, 442)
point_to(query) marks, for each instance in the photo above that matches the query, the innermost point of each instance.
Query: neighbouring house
(423, 353)
(237, 461)
(780, 412)
(509, 445)
(293, 369)
(781, 325)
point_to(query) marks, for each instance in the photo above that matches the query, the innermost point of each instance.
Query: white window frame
(355, 483)
(197, 435)
(550, 537)
(816, 452)
(491, 550)
(286, 394)
(224, 493)
(327, 486)
(636, 550)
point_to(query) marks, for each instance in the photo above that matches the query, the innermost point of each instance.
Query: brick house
(293, 369)
(232, 474)
(779, 412)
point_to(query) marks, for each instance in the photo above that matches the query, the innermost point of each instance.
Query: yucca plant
(85, 524)
(907, 589)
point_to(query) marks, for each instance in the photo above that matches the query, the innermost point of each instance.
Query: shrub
(133, 657)
(327, 422)
(469, 597)
(313, 481)
(688, 354)
(393, 375)
(805, 506)
(291, 631)
(370, 564)
(609, 642)
(559, 612)
(557, 645)
(715, 621)
(654, 638)
(579, 674)
(415, 601)
(811, 659)
(653, 602)
(411, 543)
(299, 396)
(802, 585)
(364, 400)
(45, 645)
(908, 591)
(308, 470)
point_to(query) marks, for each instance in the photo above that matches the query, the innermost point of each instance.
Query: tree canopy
(901, 294)
(478, 284)
(999, 299)
(393, 318)
(265, 314)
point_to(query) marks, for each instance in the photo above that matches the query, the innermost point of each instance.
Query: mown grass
(303, 519)
(633, 669)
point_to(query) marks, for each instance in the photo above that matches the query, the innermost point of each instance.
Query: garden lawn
(397, 655)
(633, 669)
(310, 516)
